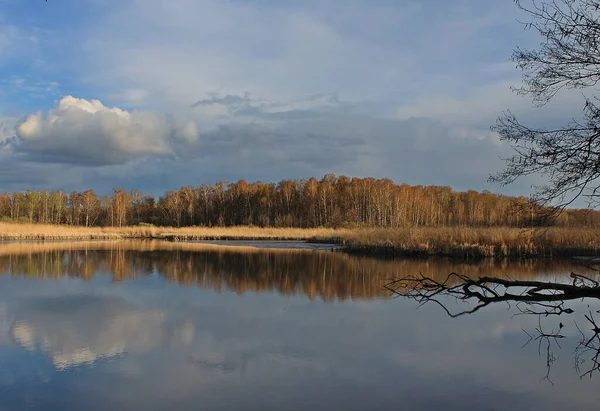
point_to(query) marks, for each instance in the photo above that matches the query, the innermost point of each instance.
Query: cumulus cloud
(78, 131)
(297, 138)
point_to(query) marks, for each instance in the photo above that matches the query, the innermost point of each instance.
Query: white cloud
(85, 132)
(298, 138)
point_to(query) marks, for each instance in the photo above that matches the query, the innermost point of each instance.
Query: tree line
(331, 201)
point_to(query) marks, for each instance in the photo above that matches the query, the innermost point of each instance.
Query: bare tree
(568, 58)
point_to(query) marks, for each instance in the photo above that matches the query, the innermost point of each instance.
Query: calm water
(151, 326)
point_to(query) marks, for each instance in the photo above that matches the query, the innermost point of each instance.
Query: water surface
(155, 325)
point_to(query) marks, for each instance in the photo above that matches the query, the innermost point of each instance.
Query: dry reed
(11, 231)
(476, 242)
(418, 241)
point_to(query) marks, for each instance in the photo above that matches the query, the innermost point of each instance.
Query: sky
(157, 94)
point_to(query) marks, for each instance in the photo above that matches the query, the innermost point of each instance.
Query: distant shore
(464, 242)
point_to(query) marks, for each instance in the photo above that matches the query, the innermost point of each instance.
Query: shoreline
(409, 242)
(473, 253)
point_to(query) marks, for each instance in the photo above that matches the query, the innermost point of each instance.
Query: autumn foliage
(333, 201)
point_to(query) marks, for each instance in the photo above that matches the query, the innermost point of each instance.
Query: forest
(332, 201)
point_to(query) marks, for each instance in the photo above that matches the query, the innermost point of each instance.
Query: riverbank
(15, 231)
(475, 243)
(464, 242)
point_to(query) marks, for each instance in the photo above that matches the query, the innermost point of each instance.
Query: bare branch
(568, 58)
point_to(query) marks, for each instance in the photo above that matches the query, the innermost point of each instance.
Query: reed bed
(469, 242)
(466, 242)
(11, 232)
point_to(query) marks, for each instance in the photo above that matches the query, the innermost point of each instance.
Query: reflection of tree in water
(529, 296)
(325, 275)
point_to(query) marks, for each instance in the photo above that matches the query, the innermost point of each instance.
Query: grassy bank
(467, 242)
(11, 232)
(444, 241)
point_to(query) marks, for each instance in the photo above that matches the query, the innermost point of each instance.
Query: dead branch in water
(548, 297)
(542, 298)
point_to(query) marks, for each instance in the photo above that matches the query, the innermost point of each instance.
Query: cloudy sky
(155, 94)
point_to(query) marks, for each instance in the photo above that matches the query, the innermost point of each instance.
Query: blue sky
(155, 94)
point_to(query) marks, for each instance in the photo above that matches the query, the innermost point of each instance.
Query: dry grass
(448, 241)
(10, 231)
(477, 242)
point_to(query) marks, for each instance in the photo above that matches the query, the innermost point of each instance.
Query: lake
(149, 325)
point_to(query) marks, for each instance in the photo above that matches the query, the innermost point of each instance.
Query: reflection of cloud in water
(77, 330)
(5, 324)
